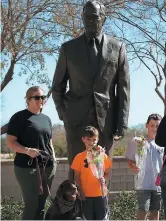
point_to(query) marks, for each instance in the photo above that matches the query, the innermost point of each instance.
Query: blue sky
(144, 100)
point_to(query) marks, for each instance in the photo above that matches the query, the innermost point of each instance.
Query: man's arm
(123, 92)
(133, 166)
(60, 83)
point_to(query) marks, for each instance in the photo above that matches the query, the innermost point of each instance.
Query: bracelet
(27, 150)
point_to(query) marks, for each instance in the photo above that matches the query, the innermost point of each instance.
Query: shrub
(119, 151)
(122, 207)
(11, 209)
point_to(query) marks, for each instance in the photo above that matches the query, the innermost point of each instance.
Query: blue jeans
(163, 188)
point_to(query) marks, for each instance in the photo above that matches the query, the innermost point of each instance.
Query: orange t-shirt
(90, 184)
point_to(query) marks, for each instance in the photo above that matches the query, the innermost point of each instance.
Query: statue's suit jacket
(107, 90)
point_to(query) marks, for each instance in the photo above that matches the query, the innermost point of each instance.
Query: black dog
(66, 204)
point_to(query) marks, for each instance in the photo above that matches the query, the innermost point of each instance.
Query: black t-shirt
(32, 130)
(161, 135)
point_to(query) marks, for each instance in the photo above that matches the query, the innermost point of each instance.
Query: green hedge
(11, 209)
(122, 207)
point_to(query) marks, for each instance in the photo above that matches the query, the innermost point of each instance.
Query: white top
(149, 161)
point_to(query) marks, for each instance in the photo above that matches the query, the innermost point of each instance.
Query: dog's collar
(66, 206)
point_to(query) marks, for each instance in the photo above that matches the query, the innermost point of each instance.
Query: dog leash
(42, 177)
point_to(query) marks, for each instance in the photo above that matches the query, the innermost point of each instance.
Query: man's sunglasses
(37, 98)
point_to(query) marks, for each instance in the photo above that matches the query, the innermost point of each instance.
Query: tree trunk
(8, 76)
(7, 79)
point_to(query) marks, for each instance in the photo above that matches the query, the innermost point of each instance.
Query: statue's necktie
(93, 55)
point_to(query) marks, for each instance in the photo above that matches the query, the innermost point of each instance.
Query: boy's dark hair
(154, 117)
(90, 131)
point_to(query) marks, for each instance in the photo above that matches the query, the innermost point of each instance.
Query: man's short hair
(154, 117)
(90, 131)
(92, 3)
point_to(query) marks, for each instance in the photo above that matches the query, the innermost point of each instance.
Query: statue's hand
(60, 112)
(60, 116)
(119, 135)
(117, 138)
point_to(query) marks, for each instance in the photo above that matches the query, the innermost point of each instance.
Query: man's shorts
(148, 200)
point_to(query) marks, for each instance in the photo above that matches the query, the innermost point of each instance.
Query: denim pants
(29, 183)
(163, 188)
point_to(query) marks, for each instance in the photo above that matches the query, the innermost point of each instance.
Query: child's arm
(78, 181)
(130, 156)
(77, 178)
(133, 166)
(108, 166)
(107, 175)
(76, 167)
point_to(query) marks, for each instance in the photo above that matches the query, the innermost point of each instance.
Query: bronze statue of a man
(96, 68)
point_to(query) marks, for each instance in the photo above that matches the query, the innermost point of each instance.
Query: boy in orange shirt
(94, 205)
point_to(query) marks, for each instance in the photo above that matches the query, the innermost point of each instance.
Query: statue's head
(93, 18)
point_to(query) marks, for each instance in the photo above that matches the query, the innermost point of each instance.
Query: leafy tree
(59, 140)
(33, 29)
(141, 24)
(122, 145)
(28, 34)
